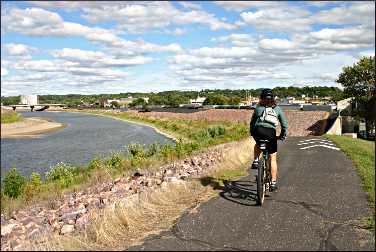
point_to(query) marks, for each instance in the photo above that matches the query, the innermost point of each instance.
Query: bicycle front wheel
(260, 182)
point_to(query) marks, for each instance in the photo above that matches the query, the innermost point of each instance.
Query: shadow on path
(243, 191)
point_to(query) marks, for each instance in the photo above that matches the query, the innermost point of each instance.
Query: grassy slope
(362, 153)
(187, 130)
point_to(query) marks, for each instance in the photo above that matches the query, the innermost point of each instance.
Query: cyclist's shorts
(262, 133)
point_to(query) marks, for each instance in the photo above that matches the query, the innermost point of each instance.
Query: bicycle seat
(263, 143)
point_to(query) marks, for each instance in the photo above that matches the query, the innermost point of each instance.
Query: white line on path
(328, 143)
(317, 139)
(317, 145)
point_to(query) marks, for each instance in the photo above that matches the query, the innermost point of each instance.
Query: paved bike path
(317, 207)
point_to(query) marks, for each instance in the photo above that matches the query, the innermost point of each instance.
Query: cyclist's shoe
(254, 165)
(273, 186)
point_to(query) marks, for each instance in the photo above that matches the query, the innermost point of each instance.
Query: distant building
(249, 101)
(316, 101)
(198, 101)
(292, 100)
(29, 100)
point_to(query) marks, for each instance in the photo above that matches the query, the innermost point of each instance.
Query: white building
(199, 100)
(292, 100)
(29, 100)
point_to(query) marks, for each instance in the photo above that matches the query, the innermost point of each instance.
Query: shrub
(203, 134)
(135, 150)
(190, 147)
(153, 149)
(14, 183)
(115, 160)
(33, 186)
(167, 151)
(35, 180)
(10, 116)
(216, 131)
(179, 149)
(95, 163)
(62, 173)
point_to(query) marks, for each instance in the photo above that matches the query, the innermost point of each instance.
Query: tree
(13, 183)
(233, 100)
(216, 100)
(115, 104)
(137, 102)
(358, 82)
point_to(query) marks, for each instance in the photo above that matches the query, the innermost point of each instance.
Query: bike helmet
(266, 93)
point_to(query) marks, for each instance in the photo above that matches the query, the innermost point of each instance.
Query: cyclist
(263, 127)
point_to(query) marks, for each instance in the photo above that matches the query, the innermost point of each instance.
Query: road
(318, 206)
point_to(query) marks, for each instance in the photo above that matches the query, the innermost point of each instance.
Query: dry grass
(126, 223)
(237, 159)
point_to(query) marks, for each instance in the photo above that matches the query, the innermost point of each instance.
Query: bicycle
(263, 177)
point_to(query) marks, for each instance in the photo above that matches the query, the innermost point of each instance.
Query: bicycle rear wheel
(260, 182)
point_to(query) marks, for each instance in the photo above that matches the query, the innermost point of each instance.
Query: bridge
(32, 107)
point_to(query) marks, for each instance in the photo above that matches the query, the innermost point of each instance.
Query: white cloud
(243, 5)
(38, 65)
(19, 49)
(202, 17)
(260, 58)
(276, 44)
(290, 19)
(190, 5)
(31, 21)
(4, 72)
(356, 13)
(224, 52)
(77, 54)
(98, 58)
(353, 35)
(51, 24)
(243, 39)
(137, 17)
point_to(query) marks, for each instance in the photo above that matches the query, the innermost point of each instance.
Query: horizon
(60, 48)
(202, 90)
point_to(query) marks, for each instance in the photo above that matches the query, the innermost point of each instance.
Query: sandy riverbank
(29, 127)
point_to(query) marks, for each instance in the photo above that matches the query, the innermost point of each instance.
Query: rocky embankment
(75, 210)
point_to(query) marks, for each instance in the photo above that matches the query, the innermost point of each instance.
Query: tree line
(176, 97)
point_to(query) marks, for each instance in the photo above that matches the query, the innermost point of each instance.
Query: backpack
(270, 116)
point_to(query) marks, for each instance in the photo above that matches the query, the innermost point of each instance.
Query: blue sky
(115, 47)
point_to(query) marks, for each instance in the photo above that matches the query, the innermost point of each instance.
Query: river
(84, 137)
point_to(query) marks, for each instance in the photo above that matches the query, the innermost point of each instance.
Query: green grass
(362, 153)
(9, 116)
